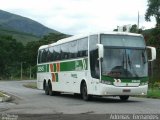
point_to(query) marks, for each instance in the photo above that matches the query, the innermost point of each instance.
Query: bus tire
(50, 92)
(124, 97)
(46, 89)
(84, 92)
(44, 84)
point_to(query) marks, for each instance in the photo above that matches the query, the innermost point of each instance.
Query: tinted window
(94, 63)
(64, 51)
(57, 55)
(73, 51)
(50, 54)
(44, 55)
(82, 47)
(122, 40)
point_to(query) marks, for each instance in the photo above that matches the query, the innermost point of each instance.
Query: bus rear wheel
(51, 92)
(124, 97)
(84, 92)
(46, 89)
(50, 89)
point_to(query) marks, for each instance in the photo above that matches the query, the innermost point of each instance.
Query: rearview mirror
(100, 51)
(153, 53)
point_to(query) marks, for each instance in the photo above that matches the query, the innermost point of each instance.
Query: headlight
(106, 82)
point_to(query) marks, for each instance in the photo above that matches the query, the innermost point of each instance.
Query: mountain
(13, 22)
(19, 36)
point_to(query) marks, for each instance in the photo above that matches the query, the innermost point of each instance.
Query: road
(33, 101)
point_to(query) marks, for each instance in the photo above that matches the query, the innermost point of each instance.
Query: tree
(10, 54)
(31, 49)
(153, 10)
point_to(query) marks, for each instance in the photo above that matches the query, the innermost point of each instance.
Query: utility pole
(21, 69)
(30, 72)
(138, 22)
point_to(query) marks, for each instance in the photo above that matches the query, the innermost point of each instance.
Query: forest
(18, 60)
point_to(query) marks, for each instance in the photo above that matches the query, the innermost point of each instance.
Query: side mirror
(153, 53)
(100, 51)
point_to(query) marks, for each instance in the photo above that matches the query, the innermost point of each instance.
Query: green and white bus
(100, 64)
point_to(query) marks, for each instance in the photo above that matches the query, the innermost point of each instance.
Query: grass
(1, 94)
(32, 85)
(154, 93)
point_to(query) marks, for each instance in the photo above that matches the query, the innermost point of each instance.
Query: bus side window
(50, 54)
(83, 47)
(57, 52)
(73, 49)
(44, 55)
(64, 51)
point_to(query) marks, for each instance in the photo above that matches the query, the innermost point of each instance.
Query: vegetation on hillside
(24, 38)
(14, 56)
(11, 53)
(153, 10)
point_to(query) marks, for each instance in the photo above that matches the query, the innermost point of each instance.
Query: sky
(81, 16)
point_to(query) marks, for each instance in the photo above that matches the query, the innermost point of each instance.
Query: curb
(5, 98)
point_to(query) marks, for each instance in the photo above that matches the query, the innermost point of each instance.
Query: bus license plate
(126, 90)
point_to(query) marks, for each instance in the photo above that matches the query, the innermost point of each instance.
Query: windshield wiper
(132, 67)
(129, 62)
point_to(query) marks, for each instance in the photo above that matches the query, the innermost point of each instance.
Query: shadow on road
(97, 99)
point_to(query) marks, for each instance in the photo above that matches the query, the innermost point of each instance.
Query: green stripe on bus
(54, 67)
(77, 65)
(67, 66)
(47, 67)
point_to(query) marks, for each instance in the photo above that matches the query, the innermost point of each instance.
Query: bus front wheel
(124, 97)
(84, 92)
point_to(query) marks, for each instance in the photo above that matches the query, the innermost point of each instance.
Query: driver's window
(94, 63)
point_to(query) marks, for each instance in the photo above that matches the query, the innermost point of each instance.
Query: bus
(99, 64)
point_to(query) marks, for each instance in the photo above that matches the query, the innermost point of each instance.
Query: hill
(12, 22)
(19, 36)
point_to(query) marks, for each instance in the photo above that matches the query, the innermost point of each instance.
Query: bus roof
(76, 37)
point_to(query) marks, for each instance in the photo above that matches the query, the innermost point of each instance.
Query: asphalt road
(33, 101)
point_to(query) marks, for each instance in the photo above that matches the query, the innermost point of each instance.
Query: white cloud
(79, 16)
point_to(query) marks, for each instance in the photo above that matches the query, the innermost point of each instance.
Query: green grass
(154, 93)
(1, 94)
(32, 85)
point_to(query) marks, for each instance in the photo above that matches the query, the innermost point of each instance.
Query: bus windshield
(124, 63)
(124, 56)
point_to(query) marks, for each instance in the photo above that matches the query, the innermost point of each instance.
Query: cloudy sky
(80, 16)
